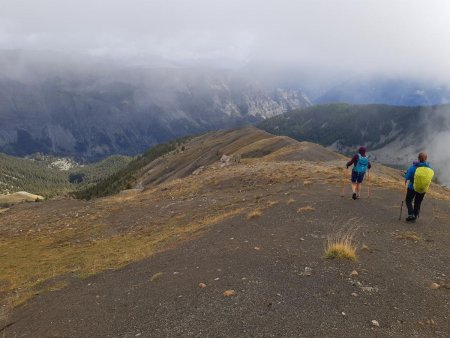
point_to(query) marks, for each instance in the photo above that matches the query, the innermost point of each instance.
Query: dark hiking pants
(410, 196)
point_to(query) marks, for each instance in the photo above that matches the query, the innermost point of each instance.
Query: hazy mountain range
(87, 107)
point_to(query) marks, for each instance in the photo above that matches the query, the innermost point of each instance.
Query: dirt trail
(263, 260)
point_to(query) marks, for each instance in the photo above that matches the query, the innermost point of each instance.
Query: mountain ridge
(89, 109)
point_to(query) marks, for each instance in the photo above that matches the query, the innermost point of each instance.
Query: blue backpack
(362, 164)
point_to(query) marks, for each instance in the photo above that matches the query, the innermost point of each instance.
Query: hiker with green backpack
(360, 165)
(419, 176)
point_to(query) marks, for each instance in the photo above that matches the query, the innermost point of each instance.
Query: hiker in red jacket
(360, 165)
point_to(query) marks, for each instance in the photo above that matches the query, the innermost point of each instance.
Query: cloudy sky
(380, 35)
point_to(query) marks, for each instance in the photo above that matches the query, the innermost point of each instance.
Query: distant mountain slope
(17, 174)
(393, 134)
(347, 125)
(41, 176)
(385, 90)
(178, 159)
(91, 109)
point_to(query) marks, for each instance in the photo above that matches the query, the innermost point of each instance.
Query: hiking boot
(410, 218)
(354, 196)
(357, 196)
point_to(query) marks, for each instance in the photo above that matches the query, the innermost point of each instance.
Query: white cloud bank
(393, 36)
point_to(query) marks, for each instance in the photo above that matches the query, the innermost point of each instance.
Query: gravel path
(282, 284)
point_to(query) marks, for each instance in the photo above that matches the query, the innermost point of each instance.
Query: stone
(229, 293)
(354, 273)
(369, 289)
(202, 285)
(375, 323)
(434, 286)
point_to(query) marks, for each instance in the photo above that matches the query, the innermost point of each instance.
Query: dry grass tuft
(410, 236)
(58, 286)
(364, 247)
(290, 201)
(307, 183)
(156, 276)
(341, 246)
(272, 203)
(306, 209)
(254, 214)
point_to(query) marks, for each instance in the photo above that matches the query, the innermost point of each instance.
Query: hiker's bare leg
(358, 188)
(354, 187)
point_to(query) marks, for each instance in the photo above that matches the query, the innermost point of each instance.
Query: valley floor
(263, 259)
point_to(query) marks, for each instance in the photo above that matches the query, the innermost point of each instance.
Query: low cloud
(395, 37)
(438, 143)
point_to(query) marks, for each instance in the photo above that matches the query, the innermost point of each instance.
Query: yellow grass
(26, 262)
(57, 286)
(341, 247)
(409, 235)
(306, 209)
(19, 197)
(272, 203)
(254, 214)
(290, 201)
(156, 276)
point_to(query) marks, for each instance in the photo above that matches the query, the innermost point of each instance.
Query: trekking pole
(368, 185)
(343, 183)
(401, 206)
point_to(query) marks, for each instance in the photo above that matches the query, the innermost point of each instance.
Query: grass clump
(341, 246)
(156, 276)
(306, 209)
(272, 203)
(410, 236)
(254, 214)
(365, 247)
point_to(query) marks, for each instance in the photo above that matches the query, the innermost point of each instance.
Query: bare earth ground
(263, 260)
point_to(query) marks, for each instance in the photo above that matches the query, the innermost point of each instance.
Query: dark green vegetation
(126, 177)
(94, 173)
(349, 125)
(18, 174)
(38, 176)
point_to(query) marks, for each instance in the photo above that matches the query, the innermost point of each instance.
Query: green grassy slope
(18, 174)
(39, 177)
(126, 177)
